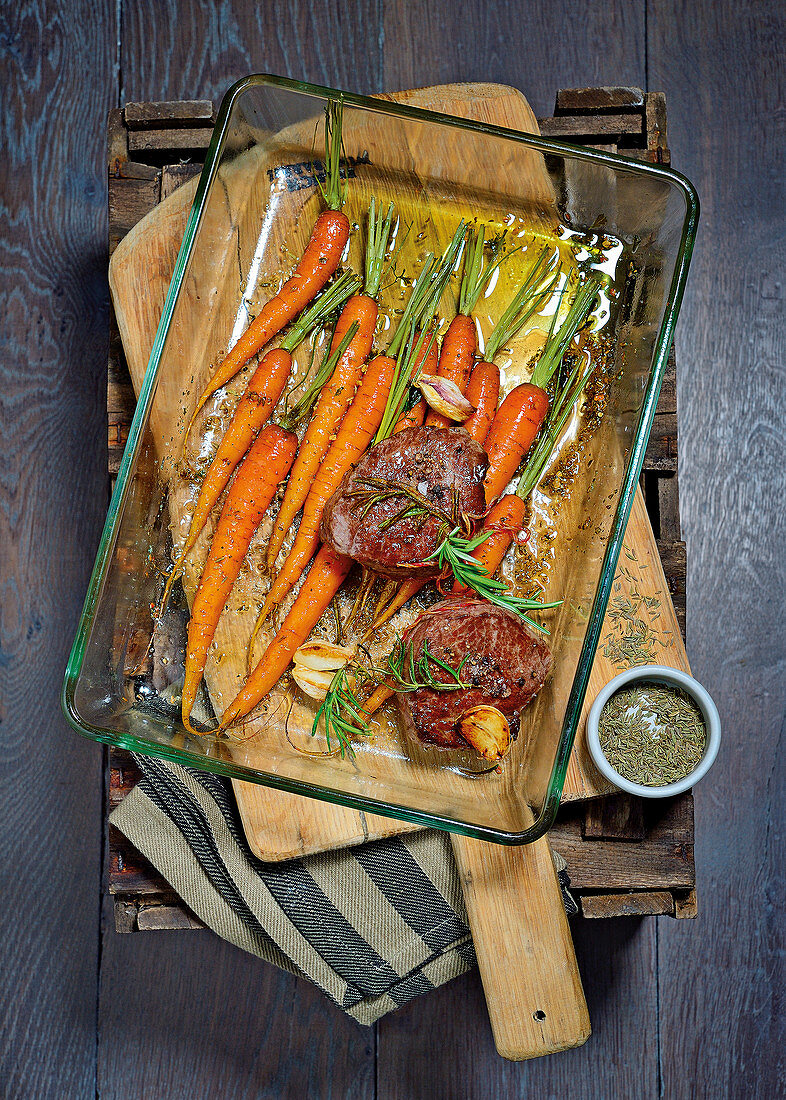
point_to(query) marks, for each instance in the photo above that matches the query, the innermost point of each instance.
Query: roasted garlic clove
(445, 397)
(321, 655)
(486, 729)
(314, 683)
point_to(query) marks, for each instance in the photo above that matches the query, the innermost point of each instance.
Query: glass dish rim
(548, 810)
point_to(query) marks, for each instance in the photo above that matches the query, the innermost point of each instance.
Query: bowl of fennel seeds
(653, 731)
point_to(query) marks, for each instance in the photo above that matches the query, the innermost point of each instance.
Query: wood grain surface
(53, 305)
(733, 482)
(677, 1011)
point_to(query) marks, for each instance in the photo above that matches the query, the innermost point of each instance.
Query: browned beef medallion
(444, 466)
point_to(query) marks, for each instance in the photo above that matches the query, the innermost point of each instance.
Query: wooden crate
(626, 857)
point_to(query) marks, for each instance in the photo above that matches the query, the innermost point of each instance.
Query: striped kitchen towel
(373, 926)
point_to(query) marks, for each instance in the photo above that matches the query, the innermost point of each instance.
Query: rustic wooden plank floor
(680, 1009)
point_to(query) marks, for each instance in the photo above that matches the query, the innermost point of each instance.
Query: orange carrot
(521, 414)
(333, 403)
(356, 432)
(427, 363)
(461, 340)
(324, 579)
(455, 360)
(320, 259)
(253, 411)
(504, 521)
(336, 397)
(482, 392)
(516, 424)
(249, 497)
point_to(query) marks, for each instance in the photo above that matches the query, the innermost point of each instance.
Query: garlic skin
(486, 729)
(444, 396)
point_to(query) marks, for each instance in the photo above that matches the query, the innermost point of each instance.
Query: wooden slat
(655, 119)
(129, 201)
(663, 859)
(661, 453)
(584, 127)
(169, 141)
(175, 175)
(579, 101)
(675, 565)
(185, 113)
(669, 508)
(618, 817)
(650, 903)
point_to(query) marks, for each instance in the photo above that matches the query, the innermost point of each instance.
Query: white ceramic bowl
(674, 678)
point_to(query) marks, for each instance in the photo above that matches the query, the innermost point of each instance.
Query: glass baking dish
(123, 676)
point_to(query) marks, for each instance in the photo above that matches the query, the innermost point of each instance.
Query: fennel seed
(652, 734)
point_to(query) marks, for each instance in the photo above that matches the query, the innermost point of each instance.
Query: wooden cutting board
(281, 825)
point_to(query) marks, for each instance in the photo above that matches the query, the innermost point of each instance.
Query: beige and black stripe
(372, 926)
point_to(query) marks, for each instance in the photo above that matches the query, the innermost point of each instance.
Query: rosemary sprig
(454, 555)
(409, 673)
(341, 710)
(328, 365)
(373, 491)
(531, 296)
(334, 191)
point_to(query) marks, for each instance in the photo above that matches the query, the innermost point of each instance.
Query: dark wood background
(680, 1009)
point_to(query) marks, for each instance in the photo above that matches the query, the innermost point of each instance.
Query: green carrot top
(334, 190)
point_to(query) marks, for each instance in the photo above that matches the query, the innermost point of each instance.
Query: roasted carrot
(336, 397)
(249, 497)
(460, 342)
(522, 413)
(456, 357)
(324, 579)
(515, 426)
(356, 431)
(427, 363)
(504, 522)
(253, 411)
(376, 407)
(482, 392)
(320, 259)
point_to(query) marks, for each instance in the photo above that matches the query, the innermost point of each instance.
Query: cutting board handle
(524, 947)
